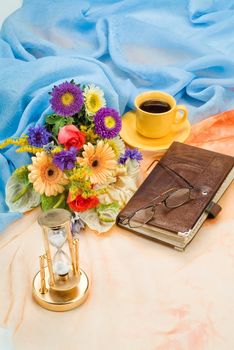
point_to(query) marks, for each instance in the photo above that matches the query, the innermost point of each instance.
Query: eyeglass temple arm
(162, 194)
(164, 166)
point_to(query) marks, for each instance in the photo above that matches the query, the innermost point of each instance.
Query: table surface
(144, 296)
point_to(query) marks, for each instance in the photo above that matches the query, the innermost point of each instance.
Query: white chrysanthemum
(94, 99)
(132, 166)
(117, 145)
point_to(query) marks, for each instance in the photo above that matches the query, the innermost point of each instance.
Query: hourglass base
(60, 301)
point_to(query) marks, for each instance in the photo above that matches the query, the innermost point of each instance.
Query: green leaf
(52, 119)
(57, 122)
(20, 195)
(108, 212)
(69, 120)
(55, 129)
(53, 202)
(21, 174)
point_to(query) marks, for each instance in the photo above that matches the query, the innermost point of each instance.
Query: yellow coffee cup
(157, 114)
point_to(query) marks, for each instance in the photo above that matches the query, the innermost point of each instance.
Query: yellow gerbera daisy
(100, 159)
(94, 99)
(45, 176)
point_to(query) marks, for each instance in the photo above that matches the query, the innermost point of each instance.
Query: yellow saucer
(134, 139)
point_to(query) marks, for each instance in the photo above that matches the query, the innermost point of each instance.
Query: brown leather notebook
(205, 175)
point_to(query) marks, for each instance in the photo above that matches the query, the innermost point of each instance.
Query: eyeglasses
(172, 198)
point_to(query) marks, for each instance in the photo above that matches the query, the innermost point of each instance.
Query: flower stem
(53, 137)
(60, 201)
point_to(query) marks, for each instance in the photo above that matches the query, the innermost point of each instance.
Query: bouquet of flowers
(79, 162)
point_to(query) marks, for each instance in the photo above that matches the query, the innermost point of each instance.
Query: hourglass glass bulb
(57, 237)
(61, 263)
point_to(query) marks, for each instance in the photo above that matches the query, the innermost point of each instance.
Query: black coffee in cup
(155, 106)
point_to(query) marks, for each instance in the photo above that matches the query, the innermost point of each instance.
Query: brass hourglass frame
(50, 290)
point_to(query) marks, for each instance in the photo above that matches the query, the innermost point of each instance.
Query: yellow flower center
(67, 99)
(93, 102)
(109, 122)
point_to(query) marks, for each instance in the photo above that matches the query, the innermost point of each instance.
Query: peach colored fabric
(144, 296)
(215, 133)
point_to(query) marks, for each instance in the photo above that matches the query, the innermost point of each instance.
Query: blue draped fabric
(183, 47)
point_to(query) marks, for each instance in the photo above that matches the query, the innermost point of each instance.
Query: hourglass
(60, 284)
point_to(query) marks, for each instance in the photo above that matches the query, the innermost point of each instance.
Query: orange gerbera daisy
(100, 159)
(46, 177)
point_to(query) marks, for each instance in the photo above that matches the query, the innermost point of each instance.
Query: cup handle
(183, 109)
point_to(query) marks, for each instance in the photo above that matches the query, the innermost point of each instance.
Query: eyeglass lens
(174, 200)
(177, 198)
(141, 217)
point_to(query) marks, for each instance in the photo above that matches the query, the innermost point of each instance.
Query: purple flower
(130, 154)
(107, 122)
(65, 160)
(67, 99)
(38, 136)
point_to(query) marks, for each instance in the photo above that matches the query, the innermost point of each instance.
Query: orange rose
(81, 204)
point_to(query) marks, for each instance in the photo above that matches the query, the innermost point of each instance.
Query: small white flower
(94, 99)
(133, 166)
(117, 145)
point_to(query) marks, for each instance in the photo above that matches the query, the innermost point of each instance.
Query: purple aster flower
(107, 122)
(131, 154)
(65, 160)
(67, 99)
(38, 136)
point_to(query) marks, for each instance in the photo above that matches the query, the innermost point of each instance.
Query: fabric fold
(182, 47)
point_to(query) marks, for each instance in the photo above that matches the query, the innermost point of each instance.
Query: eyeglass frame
(163, 201)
